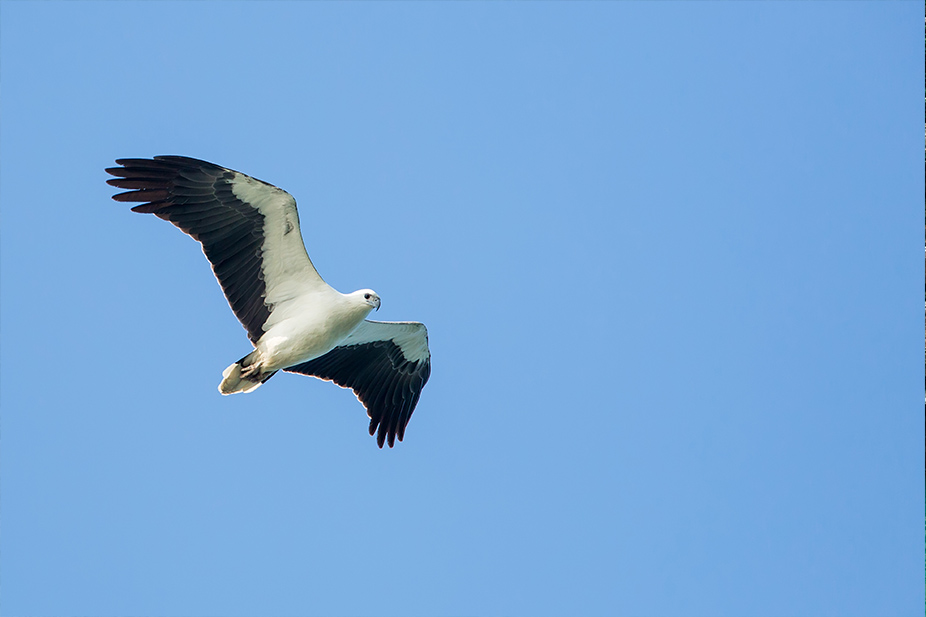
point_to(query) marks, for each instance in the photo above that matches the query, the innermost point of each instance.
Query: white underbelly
(292, 342)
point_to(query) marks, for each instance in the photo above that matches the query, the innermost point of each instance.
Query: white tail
(244, 375)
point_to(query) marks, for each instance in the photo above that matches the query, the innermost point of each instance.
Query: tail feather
(244, 375)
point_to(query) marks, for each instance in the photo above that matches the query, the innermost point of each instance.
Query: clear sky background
(669, 255)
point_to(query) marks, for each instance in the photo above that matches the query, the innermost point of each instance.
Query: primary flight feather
(249, 231)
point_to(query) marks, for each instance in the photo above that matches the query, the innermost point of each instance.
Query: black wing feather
(386, 383)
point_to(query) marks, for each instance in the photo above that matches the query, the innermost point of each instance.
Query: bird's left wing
(249, 229)
(386, 364)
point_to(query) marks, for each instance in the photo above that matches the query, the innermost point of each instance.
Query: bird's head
(370, 297)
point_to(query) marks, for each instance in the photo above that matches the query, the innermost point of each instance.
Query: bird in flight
(249, 231)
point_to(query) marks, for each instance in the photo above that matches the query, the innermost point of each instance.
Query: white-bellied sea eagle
(249, 231)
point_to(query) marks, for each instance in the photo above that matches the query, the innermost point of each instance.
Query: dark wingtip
(133, 162)
(142, 195)
(383, 435)
(147, 208)
(380, 438)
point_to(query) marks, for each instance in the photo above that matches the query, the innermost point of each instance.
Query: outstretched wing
(249, 230)
(386, 364)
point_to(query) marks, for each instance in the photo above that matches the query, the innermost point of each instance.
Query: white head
(368, 297)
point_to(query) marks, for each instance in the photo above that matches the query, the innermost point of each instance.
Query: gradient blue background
(670, 260)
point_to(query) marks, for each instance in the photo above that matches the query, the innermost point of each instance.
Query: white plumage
(249, 231)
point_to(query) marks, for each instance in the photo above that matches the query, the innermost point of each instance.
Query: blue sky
(669, 256)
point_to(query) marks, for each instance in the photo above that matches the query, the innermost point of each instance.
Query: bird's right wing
(248, 229)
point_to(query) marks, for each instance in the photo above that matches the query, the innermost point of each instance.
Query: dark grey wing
(386, 365)
(248, 229)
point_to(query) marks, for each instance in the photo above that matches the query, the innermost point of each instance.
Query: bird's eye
(366, 296)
